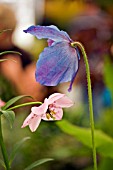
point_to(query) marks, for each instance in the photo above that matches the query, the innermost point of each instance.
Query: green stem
(8, 52)
(3, 149)
(24, 104)
(78, 44)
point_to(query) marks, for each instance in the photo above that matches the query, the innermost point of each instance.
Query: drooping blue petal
(57, 63)
(78, 53)
(72, 80)
(63, 32)
(49, 32)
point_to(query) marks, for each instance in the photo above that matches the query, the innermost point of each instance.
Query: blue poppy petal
(63, 32)
(57, 64)
(49, 32)
(78, 54)
(72, 80)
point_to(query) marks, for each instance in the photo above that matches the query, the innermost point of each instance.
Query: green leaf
(13, 100)
(2, 163)
(37, 163)
(16, 148)
(9, 115)
(104, 143)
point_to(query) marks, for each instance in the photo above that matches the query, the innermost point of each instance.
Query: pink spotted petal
(60, 100)
(64, 102)
(41, 109)
(28, 120)
(54, 97)
(35, 123)
(32, 121)
(59, 113)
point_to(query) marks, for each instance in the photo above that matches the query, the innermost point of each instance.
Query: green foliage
(6, 89)
(16, 148)
(37, 163)
(9, 115)
(105, 164)
(13, 100)
(104, 143)
(2, 163)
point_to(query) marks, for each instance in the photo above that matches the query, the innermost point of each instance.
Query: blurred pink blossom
(50, 110)
(2, 103)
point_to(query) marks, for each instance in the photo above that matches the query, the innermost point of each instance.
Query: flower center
(50, 114)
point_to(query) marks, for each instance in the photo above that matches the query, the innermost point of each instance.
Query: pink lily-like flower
(2, 103)
(50, 110)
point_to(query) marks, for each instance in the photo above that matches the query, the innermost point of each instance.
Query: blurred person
(93, 29)
(20, 74)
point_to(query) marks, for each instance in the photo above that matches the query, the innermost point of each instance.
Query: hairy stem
(78, 44)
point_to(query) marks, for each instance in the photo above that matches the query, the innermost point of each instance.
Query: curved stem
(78, 44)
(7, 52)
(3, 149)
(24, 104)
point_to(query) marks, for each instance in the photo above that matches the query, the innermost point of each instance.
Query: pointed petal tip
(69, 89)
(32, 130)
(25, 31)
(22, 126)
(29, 29)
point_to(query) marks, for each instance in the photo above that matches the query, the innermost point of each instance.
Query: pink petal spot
(35, 123)
(50, 42)
(28, 120)
(32, 121)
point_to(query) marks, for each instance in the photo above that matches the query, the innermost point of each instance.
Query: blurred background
(87, 21)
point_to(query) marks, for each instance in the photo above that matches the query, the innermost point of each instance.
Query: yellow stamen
(52, 112)
(48, 116)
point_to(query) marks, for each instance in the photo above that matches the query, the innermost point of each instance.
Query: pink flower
(50, 110)
(2, 103)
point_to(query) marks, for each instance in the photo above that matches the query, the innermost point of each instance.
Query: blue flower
(59, 61)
